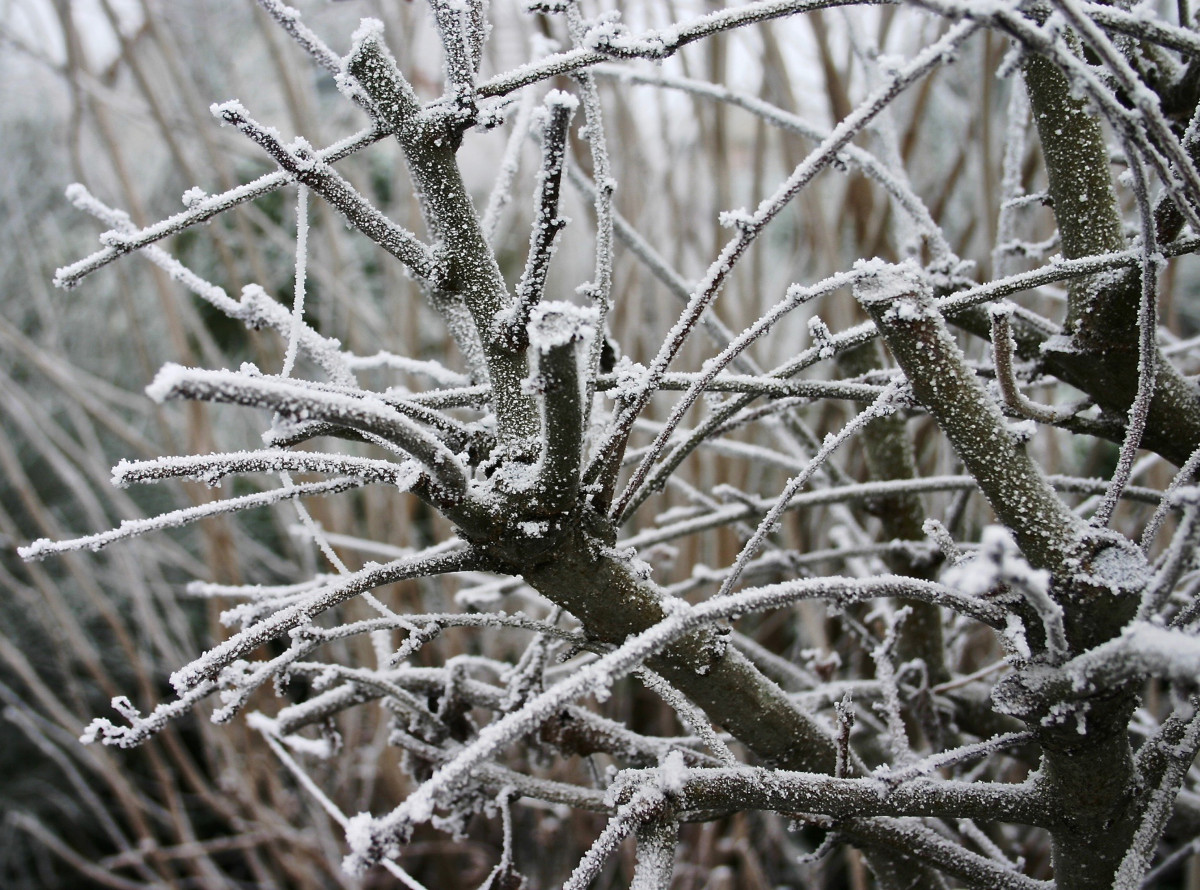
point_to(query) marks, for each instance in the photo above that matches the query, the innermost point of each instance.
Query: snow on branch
(451, 557)
(142, 728)
(555, 331)
(468, 271)
(120, 242)
(844, 591)
(998, 566)
(658, 44)
(899, 301)
(1143, 649)
(212, 468)
(381, 837)
(43, 547)
(1143, 24)
(461, 26)
(298, 402)
(644, 805)
(304, 165)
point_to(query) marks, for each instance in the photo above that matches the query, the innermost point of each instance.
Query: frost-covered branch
(212, 468)
(298, 402)
(202, 210)
(901, 305)
(548, 223)
(556, 331)
(467, 268)
(660, 44)
(305, 166)
(749, 225)
(321, 598)
(729, 790)
(43, 547)
(1003, 354)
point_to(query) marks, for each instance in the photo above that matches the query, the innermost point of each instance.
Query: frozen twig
(1148, 355)
(301, 163)
(462, 30)
(646, 804)
(203, 210)
(1179, 557)
(657, 838)
(749, 225)
(662, 270)
(795, 297)
(1002, 355)
(299, 402)
(43, 547)
(293, 340)
(664, 44)
(501, 193)
(548, 223)
(437, 561)
(1159, 805)
(288, 18)
(884, 404)
(1186, 474)
(900, 190)
(691, 716)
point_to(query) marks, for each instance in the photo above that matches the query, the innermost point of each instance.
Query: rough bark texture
(1099, 355)
(612, 603)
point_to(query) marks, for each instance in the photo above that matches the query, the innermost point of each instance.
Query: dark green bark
(581, 575)
(1100, 353)
(468, 274)
(1087, 760)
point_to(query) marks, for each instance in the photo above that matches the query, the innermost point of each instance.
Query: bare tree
(1006, 692)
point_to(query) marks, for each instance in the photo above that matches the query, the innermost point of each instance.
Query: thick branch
(468, 269)
(903, 309)
(556, 331)
(613, 604)
(728, 791)
(1100, 357)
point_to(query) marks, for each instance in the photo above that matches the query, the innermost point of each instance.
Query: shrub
(1003, 690)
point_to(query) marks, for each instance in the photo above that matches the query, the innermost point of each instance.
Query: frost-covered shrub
(622, 510)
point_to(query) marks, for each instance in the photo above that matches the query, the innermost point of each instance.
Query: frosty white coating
(902, 587)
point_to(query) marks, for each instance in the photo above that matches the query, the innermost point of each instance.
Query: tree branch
(467, 271)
